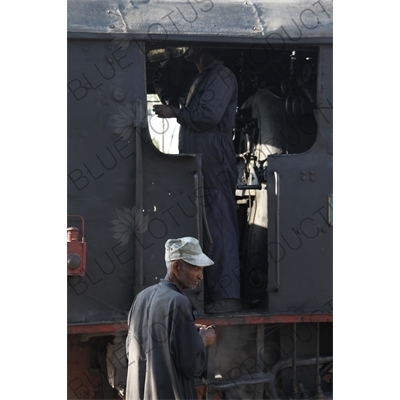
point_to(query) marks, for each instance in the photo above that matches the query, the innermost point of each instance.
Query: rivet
(119, 94)
(303, 172)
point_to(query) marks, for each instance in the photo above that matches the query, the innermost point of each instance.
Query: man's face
(189, 275)
(192, 54)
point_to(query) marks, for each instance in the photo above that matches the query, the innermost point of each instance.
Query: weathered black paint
(105, 181)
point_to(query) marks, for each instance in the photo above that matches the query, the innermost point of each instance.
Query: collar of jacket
(212, 65)
(171, 285)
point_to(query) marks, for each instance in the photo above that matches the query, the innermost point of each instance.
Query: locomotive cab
(276, 117)
(121, 158)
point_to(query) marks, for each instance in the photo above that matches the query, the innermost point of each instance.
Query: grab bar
(277, 232)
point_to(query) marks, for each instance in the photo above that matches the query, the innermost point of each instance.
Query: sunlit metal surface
(271, 21)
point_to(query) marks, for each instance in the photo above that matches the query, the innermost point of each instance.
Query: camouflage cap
(187, 249)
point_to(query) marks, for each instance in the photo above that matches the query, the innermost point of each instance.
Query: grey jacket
(164, 349)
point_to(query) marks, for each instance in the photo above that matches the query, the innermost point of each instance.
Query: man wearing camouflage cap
(165, 349)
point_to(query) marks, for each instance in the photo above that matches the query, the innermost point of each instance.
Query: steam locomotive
(129, 190)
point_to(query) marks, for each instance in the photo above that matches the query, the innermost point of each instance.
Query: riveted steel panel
(300, 242)
(131, 196)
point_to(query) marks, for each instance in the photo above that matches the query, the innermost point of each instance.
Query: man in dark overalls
(207, 119)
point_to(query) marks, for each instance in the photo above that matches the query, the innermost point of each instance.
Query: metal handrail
(277, 232)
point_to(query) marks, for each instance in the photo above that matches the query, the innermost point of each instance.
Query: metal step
(250, 379)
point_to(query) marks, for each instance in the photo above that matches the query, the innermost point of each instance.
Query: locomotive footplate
(240, 318)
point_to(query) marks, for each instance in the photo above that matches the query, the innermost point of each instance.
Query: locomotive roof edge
(222, 20)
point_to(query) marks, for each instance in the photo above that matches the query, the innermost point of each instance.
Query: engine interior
(275, 115)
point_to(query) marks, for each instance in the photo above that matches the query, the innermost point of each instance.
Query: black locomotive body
(128, 192)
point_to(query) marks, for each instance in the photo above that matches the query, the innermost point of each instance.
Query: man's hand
(208, 335)
(165, 111)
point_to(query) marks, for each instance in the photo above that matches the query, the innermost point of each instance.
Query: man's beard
(188, 285)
